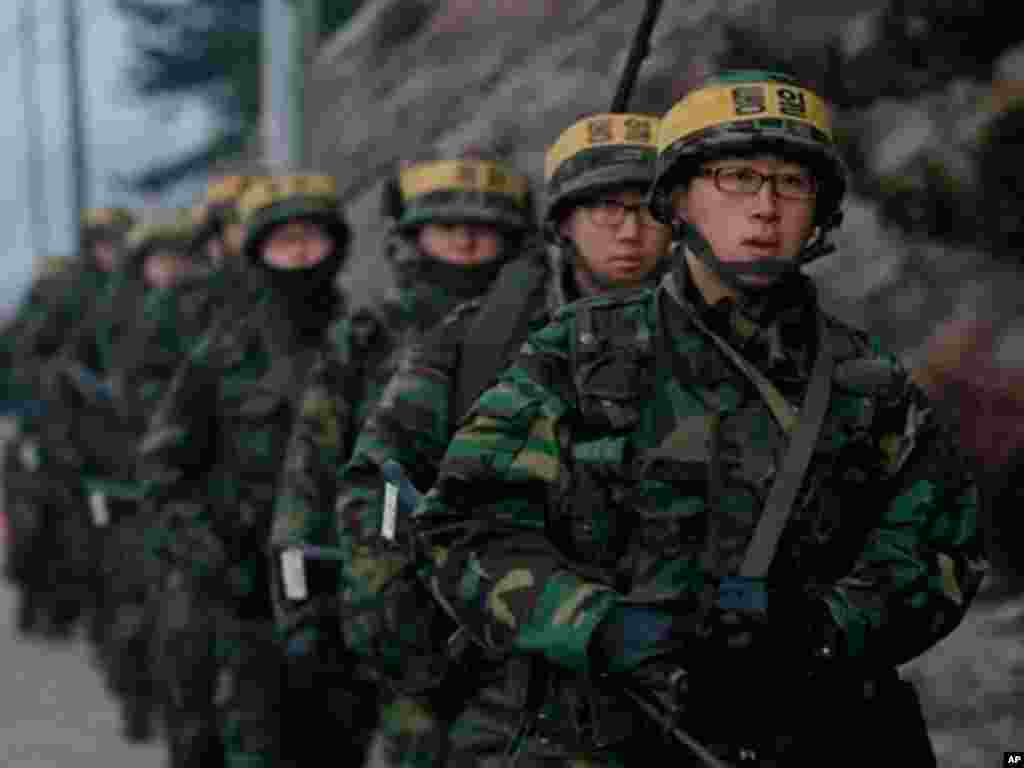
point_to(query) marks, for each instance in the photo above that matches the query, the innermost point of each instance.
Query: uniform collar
(774, 329)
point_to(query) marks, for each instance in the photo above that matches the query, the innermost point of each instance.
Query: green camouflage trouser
(186, 667)
(410, 735)
(249, 692)
(415, 734)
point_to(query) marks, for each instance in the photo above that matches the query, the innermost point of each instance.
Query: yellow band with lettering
(463, 176)
(265, 192)
(605, 130)
(725, 104)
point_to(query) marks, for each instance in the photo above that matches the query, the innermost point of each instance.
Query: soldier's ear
(563, 228)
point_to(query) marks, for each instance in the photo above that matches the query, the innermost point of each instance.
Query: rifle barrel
(637, 53)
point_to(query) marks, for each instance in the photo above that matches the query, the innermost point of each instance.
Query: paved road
(54, 712)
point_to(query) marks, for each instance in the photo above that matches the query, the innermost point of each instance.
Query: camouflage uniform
(24, 345)
(115, 374)
(184, 643)
(591, 512)
(347, 381)
(219, 231)
(395, 625)
(211, 462)
(66, 545)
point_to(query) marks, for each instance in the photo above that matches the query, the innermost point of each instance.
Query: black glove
(633, 635)
(772, 625)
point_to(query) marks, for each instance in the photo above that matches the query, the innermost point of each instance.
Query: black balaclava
(303, 302)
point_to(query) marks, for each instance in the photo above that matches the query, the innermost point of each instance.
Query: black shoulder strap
(803, 436)
(780, 500)
(803, 428)
(500, 325)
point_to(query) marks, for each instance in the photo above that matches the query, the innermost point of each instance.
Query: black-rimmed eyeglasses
(610, 213)
(744, 180)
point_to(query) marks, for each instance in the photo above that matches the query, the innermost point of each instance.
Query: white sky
(122, 134)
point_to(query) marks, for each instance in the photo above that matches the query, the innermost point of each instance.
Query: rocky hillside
(511, 74)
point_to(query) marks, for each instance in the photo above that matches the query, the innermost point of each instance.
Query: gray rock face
(409, 75)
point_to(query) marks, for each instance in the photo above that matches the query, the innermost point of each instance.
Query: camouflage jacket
(53, 308)
(623, 458)
(344, 383)
(30, 337)
(412, 424)
(212, 457)
(142, 347)
(49, 336)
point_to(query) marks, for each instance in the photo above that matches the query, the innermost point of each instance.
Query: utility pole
(290, 32)
(75, 77)
(35, 172)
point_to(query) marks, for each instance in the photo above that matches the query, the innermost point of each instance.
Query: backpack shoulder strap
(499, 327)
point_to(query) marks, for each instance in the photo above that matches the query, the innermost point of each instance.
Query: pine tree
(210, 49)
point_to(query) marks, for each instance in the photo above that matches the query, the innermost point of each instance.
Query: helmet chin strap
(733, 274)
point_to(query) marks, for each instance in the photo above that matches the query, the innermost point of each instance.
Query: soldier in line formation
(663, 484)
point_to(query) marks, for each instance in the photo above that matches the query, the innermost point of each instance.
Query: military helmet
(223, 194)
(170, 228)
(50, 265)
(595, 153)
(105, 222)
(461, 190)
(743, 112)
(274, 200)
(219, 207)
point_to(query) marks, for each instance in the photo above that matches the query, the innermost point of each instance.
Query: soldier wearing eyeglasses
(706, 522)
(600, 237)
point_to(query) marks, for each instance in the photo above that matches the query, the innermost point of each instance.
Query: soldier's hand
(632, 635)
(758, 629)
(303, 651)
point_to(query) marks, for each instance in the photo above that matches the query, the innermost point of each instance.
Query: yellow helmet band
(606, 130)
(726, 105)
(463, 176)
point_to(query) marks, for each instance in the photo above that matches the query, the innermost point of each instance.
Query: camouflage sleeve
(319, 445)
(29, 313)
(923, 562)
(43, 323)
(410, 424)
(178, 444)
(498, 573)
(164, 344)
(319, 441)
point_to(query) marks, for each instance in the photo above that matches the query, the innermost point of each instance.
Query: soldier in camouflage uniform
(219, 235)
(23, 347)
(61, 547)
(601, 238)
(184, 631)
(213, 453)
(608, 521)
(114, 372)
(457, 223)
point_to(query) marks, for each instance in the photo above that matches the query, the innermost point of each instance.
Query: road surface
(54, 711)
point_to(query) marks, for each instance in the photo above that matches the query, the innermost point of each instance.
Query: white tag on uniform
(99, 509)
(29, 455)
(293, 574)
(390, 519)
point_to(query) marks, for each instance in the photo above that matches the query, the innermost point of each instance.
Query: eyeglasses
(743, 180)
(610, 213)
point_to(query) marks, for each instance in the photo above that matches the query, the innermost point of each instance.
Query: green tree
(210, 49)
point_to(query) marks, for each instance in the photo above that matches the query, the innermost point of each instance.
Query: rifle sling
(503, 321)
(803, 430)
